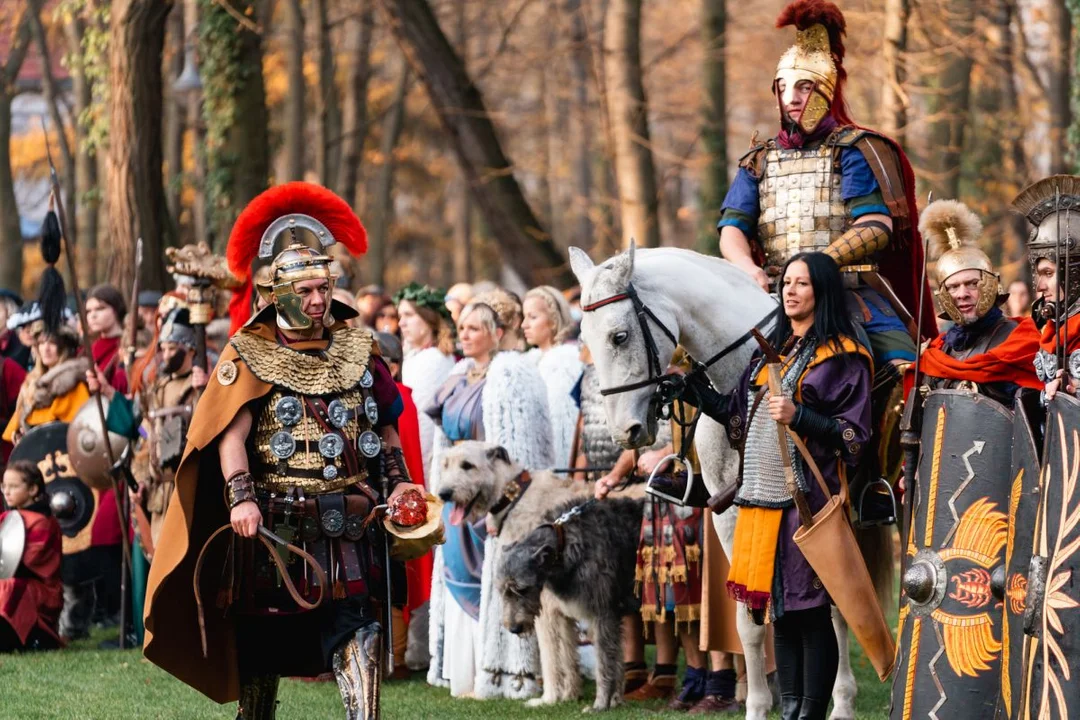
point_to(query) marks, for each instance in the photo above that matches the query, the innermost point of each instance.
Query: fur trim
(516, 411)
(59, 381)
(949, 224)
(561, 368)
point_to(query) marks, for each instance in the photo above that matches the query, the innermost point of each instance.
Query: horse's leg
(845, 689)
(758, 697)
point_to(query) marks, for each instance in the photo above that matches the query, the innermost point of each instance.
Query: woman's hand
(781, 409)
(245, 519)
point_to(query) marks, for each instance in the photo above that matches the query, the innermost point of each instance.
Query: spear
(69, 254)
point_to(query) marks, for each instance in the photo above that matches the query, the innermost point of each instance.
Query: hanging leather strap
(812, 464)
(265, 537)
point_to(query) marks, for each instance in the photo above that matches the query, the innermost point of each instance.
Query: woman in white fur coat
(499, 397)
(546, 326)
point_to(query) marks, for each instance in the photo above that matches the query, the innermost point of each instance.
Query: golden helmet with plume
(954, 229)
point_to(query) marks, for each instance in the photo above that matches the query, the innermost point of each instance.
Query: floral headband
(424, 296)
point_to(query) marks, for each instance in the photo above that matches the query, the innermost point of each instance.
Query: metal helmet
(816, 56)
(293, 207)
(86, 446)
(1052, 206)
(12, 543)
(177, 329)
(955, 230)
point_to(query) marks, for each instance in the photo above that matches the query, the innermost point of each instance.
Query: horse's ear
(622, 267)
(580, 263)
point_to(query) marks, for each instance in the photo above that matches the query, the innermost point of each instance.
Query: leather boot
(258, 698)
(814, 709)
(358, 669)
(634, 679)
(659, 687)
(790, 706)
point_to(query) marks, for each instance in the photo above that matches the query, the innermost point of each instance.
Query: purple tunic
(838, 387)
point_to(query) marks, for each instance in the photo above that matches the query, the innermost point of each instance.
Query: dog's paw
(600, 707)
(540, 702)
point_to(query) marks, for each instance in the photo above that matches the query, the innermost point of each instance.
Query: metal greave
(258, 698)
(358, 669)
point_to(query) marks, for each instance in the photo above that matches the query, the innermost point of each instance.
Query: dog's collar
(512, 494)
(560, 543)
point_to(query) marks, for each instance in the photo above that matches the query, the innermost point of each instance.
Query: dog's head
(522, 576)
(472, 477)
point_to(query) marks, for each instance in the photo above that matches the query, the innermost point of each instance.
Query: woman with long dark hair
(826, 379)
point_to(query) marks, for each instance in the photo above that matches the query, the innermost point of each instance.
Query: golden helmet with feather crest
(954, 229)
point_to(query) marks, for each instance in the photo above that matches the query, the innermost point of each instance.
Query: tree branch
(20, 42)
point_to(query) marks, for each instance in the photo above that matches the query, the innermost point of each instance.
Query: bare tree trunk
(629, 109)
(1058, 65)
(949, 99)
(294, 99)
(894, 100)
(461, 197)
(327, 101)
(197, 128)
(52, 96)
(379, 227)
(579, 149)
(555, 131)
(237, 154)
(134, 185)
(86, 198)
(354, 125)
(460, 106)
(11, 244)
(174, 114)
(714, 182)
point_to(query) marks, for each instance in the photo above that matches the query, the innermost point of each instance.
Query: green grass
(83, 682)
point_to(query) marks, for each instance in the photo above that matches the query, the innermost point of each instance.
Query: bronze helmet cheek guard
(810, 58)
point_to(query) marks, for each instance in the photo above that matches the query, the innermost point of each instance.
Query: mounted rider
(826, 184)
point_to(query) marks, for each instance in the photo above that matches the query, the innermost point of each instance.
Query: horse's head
(618, 346)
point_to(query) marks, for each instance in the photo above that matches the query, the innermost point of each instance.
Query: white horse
(707, 304)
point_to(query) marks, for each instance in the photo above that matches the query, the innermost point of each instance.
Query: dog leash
(264, 536)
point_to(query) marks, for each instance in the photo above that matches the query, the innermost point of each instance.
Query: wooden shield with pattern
(1023, 509)
(949, 636)
(1050, 690)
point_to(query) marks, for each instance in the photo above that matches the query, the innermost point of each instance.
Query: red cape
(1011, 361)
(34, 598)
(1072, 328)
(417, 571)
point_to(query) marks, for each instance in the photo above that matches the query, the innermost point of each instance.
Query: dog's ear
(542, 555)
(498, 453)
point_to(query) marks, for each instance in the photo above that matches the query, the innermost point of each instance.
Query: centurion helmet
(293, 208)
(955, 229)
(817, 56)
(1052, 206)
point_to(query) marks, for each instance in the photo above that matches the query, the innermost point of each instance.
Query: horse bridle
(657, 376)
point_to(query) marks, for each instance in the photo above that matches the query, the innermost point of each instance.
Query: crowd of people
(286, 453)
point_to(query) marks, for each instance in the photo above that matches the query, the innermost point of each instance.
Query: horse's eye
(620, 338)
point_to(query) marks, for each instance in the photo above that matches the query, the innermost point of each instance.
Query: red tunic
(417, 571)
(11, 379)
(34, 597)
(107, 357)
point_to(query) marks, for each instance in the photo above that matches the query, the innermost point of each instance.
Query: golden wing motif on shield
(981, 534)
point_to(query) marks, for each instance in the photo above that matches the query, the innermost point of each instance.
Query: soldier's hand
(758, 274)
(1060, 381)
(245, 519)
(605, 485)
(781, 409)
(402, 487)
(198, 377)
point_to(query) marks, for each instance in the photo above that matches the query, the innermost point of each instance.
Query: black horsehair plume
(53, 295)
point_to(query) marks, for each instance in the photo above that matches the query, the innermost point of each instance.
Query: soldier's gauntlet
(859, 242)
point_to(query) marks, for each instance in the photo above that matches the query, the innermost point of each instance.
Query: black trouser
(806, 662)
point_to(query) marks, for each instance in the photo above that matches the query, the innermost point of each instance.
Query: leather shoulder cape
(196, 509)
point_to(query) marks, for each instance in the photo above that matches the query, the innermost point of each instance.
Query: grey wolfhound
(480, 480)
(587, 564)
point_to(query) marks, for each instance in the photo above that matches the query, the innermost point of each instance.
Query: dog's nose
(516, 628)
(636, 434)
(446, 495)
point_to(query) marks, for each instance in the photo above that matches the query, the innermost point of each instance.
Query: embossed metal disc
(371, 408)
(331, 445)
(288, 410)
(333, 521)
(369, 443)
(338, 414)
(354, 527)
(330, 472)
(1074, 363)
(367, 379)
(282, 444)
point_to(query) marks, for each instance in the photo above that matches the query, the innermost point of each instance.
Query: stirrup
(875, 486)
(669, 487)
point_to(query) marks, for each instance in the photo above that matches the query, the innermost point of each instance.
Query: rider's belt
(310, 481)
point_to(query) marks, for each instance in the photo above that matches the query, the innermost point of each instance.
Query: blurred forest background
(480, 138)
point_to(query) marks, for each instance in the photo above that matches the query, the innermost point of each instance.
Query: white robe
(516, 417)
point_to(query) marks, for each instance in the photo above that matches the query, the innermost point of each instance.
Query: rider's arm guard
(394, 467)
(859, 242)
